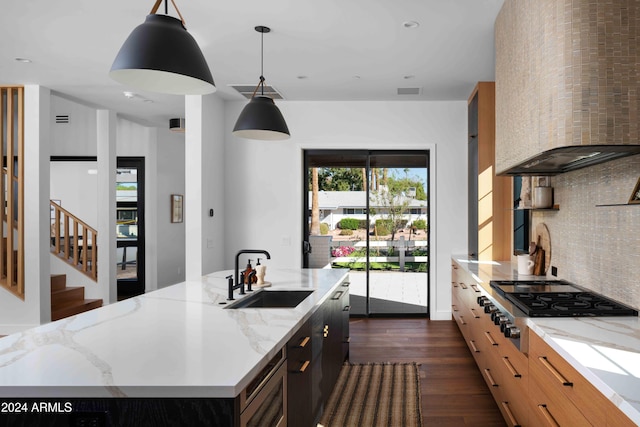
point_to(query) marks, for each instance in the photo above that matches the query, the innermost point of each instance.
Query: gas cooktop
(558, 298)
(533, 286)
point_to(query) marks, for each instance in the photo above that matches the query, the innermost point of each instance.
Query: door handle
(306, 247)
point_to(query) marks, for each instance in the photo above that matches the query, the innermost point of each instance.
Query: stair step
(63, 296)
(58, 282)
(72, 308)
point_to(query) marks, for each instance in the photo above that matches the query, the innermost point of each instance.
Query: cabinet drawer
(515, 388)
(549, 367)
(515, 412)
(550, 408)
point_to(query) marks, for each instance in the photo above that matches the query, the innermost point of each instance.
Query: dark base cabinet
(326, 338)
(299, 377)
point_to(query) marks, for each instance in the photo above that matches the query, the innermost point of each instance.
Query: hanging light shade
(161, 56)
(261, 118)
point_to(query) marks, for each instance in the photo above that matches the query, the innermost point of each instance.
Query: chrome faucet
(237, 280)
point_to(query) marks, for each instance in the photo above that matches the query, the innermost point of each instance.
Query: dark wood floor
(453, 391)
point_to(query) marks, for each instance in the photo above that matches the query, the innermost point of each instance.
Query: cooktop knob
(495, 314)
(501, 320)
(504, 326)
(512, 332)
(490, 308)
(482, 301)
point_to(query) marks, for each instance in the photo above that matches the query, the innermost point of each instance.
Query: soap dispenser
(247, 273)
(260, 272)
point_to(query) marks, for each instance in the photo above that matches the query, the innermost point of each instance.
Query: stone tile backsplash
(597, 247)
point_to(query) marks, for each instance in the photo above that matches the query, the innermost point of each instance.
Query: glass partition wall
(368, 211)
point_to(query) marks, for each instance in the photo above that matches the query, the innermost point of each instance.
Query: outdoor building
(336, 205)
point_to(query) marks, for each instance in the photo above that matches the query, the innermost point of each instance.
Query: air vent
(62, 120)
(408, 91)
(247, 91)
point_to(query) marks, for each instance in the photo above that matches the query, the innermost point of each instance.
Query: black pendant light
(261, 118)
(161, 56)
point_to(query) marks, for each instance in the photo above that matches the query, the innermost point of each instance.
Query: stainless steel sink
(272, 299)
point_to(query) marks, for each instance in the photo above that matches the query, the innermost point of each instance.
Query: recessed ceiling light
(23, 60)
(410, 24)
(357, 77)
(135, 97)
(302, 77)
(409, 77)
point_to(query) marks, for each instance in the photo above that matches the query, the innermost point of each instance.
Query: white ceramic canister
(542, 197)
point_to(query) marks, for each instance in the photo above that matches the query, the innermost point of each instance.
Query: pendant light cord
(262, 61)
(261, 83)
(155, 7)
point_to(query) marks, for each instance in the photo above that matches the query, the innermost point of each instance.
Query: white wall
(76, 138)
(164, 175)
(205, 185)
(169, 180)
(263, 180)
(72, 184)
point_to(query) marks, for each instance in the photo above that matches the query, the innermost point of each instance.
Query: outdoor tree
(401, 184)
(339, 179)
(393, 205)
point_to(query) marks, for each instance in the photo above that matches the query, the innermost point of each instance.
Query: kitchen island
(176, 342)
(603, 350)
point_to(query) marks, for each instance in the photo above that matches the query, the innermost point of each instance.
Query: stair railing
(74, 241)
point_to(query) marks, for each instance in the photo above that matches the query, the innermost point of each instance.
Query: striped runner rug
(376, 394)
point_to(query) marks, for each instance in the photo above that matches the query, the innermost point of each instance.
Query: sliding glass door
(368, 211)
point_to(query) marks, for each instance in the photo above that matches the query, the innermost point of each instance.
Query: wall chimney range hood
(567, 85)
(566, 159)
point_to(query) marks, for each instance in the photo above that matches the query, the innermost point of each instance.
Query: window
(354, 211)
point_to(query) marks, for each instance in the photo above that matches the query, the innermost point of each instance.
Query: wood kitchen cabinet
(489, 195)
(558, 393)
(503, 367)
(538, 388)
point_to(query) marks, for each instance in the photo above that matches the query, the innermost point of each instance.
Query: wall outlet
(554, 271)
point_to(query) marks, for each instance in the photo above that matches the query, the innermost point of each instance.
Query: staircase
(73, 241)
(67, 301)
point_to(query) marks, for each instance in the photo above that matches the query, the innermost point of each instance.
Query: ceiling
(331, 50)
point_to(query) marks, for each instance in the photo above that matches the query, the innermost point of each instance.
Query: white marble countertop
(605, 350)
(178, 341)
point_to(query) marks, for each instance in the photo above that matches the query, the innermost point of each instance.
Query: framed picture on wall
(176, 208)
(635, 195)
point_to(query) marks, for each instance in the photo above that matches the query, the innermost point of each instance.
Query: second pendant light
(261, 118)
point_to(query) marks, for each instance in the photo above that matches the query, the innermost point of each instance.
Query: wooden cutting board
(542, 234)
